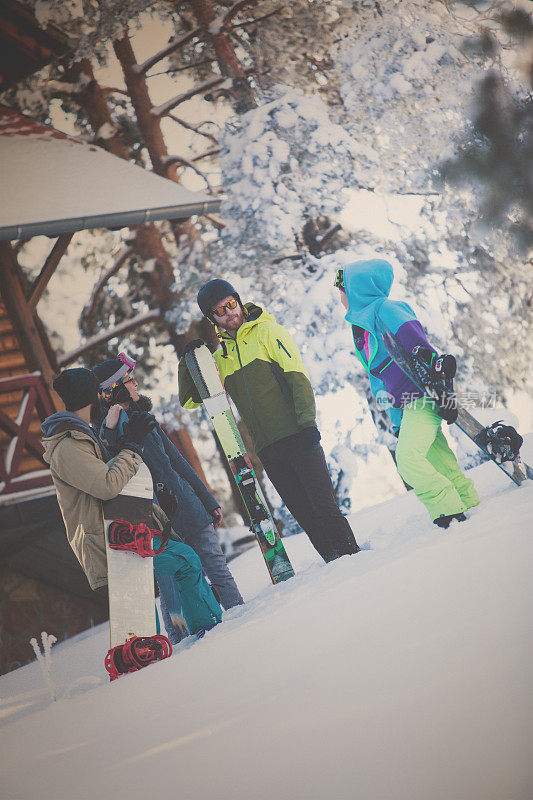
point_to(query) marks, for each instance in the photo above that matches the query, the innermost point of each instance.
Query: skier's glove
(446, 405)
(139, 425)
(442, 368)
(309, 437)
(192, 345)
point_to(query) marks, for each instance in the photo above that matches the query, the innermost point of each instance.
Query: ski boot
(202, 632)
(445, 519)
(136, 653)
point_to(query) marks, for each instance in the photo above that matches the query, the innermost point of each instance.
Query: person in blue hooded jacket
(423, 456)
(187, 502)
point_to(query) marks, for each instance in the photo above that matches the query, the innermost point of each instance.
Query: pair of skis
(206, 377)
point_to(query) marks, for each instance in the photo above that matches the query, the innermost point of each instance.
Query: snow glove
(139, 425)
(439, 380)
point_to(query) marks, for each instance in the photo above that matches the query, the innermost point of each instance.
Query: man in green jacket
(263, 372)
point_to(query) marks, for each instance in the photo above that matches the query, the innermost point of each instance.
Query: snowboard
(130, 576)
(204, 372)
(414, 369)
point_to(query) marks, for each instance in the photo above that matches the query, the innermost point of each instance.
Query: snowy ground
(401, 673)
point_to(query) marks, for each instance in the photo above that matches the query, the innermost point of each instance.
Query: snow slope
(400, 673)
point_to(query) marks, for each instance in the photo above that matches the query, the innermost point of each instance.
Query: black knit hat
(212, 293)
(77, 387)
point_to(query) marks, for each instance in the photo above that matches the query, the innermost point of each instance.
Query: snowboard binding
(123, 535)
(136, 653)
(503, 442)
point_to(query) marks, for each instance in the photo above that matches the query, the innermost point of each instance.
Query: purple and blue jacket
(367, 285)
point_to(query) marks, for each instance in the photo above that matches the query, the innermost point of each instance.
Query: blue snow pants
(200, 609)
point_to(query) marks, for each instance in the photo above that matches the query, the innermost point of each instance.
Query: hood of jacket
(61, 424)
(367, 285)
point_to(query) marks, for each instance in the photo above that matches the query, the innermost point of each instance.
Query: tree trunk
(148, 243)
(242, 94)
(149, 125)
(93, 100)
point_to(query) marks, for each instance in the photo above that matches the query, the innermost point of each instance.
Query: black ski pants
(301, 478)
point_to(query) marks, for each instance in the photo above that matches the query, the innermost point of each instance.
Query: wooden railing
(24, 403)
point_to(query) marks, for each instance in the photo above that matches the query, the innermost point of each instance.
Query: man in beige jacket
(84, 476)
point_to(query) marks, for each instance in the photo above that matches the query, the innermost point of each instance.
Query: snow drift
(400, 673)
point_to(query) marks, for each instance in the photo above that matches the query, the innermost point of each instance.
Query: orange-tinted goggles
(221, 310)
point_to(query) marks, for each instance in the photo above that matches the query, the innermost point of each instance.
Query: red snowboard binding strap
(123, 535)
(136, 653)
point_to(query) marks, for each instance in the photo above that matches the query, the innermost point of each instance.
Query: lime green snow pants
(426, 462)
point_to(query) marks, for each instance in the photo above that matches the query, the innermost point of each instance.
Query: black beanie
(77, 387)
(212, 293)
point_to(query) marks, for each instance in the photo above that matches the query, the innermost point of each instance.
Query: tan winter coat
(83, 480)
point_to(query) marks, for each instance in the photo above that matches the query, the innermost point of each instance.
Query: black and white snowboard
(206, 377)
(486, 437)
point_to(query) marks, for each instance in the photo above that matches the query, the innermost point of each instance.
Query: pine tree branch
(164, 108)
(99, 287)
(171, 160)
(217, 222)
(119, 330)
(256, 20)
(174, 70)
(194, 128)
(234, 10)
(145, 66)
(107, 90)
(208, 153)
(174, 44)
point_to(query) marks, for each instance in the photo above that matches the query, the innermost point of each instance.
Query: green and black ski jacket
(263, 373)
